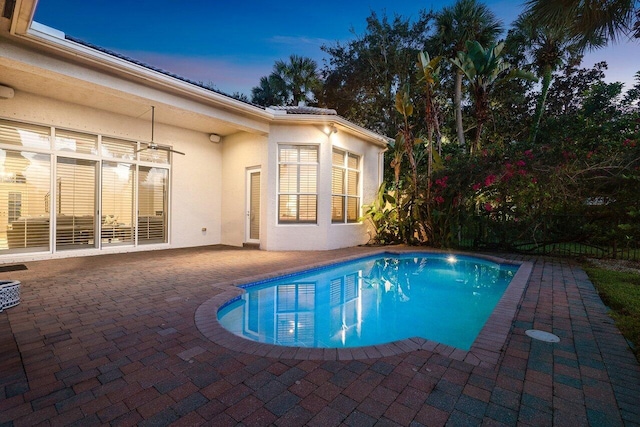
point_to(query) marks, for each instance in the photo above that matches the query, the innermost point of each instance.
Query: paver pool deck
(113, 339)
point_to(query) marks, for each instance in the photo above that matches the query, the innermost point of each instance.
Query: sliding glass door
(152, 205)
(76, 204)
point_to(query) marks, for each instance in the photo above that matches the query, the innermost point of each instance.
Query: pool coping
(485, 351)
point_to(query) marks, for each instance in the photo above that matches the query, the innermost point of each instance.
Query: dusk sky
(233, 44)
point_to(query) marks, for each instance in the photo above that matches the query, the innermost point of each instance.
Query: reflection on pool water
(374, 300)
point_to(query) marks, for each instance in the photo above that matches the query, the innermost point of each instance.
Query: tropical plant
(587, 21)
(466, 20)
(299, 78)
(549, 48)
(484, 68)
(269, 92)
(290, 83)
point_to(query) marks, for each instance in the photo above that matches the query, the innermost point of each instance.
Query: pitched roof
(153, 68)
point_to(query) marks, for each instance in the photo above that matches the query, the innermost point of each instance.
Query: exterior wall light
(329, 129)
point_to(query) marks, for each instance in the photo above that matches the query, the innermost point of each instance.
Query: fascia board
(107, 62)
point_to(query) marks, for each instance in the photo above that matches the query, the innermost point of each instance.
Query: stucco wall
(324, 235)
(195, 189)
(240, 152)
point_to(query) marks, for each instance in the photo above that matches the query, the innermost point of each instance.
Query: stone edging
(485, 351)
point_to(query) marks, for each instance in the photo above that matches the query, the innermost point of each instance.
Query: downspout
(381, 165)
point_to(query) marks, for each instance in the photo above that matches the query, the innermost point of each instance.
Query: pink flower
(489, 180)
(534, 180)
(487, 207)
(528, 154)
(521, 163)
(477, 186)
(439, 199)
(442, 182)
(522, 172)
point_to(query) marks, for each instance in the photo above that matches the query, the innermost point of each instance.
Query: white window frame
(298, 193)
(345, 196)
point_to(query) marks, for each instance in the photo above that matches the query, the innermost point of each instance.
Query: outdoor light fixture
(329, 129)
(214, 138)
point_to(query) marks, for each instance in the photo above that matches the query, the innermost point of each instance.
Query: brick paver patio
(113, 339)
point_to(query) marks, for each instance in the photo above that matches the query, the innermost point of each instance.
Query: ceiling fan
(152, 145)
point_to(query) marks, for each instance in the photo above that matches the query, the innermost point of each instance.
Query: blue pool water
(371, 301)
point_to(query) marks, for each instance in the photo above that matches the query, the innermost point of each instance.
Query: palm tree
(549, 48)
(484, 68)
(299, 77)
(466, 20)
(589, 19)
(269, 92)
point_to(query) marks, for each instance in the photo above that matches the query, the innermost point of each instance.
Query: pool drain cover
(542, 335)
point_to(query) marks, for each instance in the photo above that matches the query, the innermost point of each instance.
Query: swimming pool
(375, 300)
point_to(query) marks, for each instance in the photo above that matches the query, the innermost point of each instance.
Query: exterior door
(252, 227)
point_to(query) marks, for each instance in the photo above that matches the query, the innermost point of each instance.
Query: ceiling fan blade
(142, 149)
(176, 151)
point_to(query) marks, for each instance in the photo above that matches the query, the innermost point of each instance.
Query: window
(24, 195)
(298, 183)
(345, 184)
(24, 135)
(152, 205)
(76, 142)
(117, 203)
(75, 219)
(104, 193)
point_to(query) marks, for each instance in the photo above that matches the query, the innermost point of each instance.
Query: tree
(299, 77)
(466, 20)
(484, 68)
(589, 20)
(549, 47)
(290, 83)
(269, 92)
(362, 76)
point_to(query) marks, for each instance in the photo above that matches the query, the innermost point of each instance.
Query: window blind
(76, 142)
(345, 185)
(76, 204)
(24, 135)
(152, 205)
(24, 201)
(118, 149)
(117, 203)
(298, 184)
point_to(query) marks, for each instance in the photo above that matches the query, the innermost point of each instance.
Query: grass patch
(621, 292)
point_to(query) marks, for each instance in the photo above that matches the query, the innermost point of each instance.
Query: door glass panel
(152, 205)
(24, 201)
(117, 204)
(76, 203)
(254, 208)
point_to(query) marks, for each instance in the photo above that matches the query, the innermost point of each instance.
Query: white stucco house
(78, 175)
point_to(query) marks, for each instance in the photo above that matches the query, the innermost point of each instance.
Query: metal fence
(557, 235)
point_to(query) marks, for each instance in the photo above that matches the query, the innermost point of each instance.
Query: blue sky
(233, 44)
